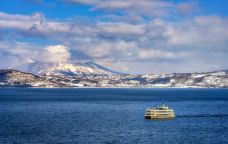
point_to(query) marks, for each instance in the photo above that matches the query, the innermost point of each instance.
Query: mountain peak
(69, 69)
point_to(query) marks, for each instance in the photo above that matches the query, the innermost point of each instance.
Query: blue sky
(147, 36)
(58, 10)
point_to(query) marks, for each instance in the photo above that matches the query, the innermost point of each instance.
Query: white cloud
(142, 7)
(202, 32)
(18, 17)
(15, 54)
(202, 38)
(56, 53)
(35, 25)
(119, 29)
(139, 8)
(186, 8)
(153, 54)
(109, 50)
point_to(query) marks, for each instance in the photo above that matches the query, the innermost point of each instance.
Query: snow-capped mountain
(69, 69)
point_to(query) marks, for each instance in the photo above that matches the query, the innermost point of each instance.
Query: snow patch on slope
(69, 69)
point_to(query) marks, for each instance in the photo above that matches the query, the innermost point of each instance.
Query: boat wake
(202, 115)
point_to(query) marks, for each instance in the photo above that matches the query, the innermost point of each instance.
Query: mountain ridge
(216, 79)
(69, 69)
(16, 78)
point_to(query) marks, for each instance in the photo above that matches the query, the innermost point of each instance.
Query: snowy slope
(69, 69)
(14, 78)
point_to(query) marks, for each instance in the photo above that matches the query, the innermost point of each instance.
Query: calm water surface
(112, 116)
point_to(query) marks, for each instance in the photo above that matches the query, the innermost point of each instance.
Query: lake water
(112, 116)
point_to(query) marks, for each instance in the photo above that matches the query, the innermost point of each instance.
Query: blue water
(112, 116)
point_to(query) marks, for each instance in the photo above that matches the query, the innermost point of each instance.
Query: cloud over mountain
(56, 53)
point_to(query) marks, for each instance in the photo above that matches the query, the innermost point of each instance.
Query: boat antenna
(163, 103)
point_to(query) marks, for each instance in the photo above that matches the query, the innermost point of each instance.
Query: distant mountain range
(14, 78)
(93, 75)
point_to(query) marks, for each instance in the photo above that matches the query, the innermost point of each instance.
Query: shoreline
(112, 88)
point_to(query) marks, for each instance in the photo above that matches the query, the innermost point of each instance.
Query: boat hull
(152, 117)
